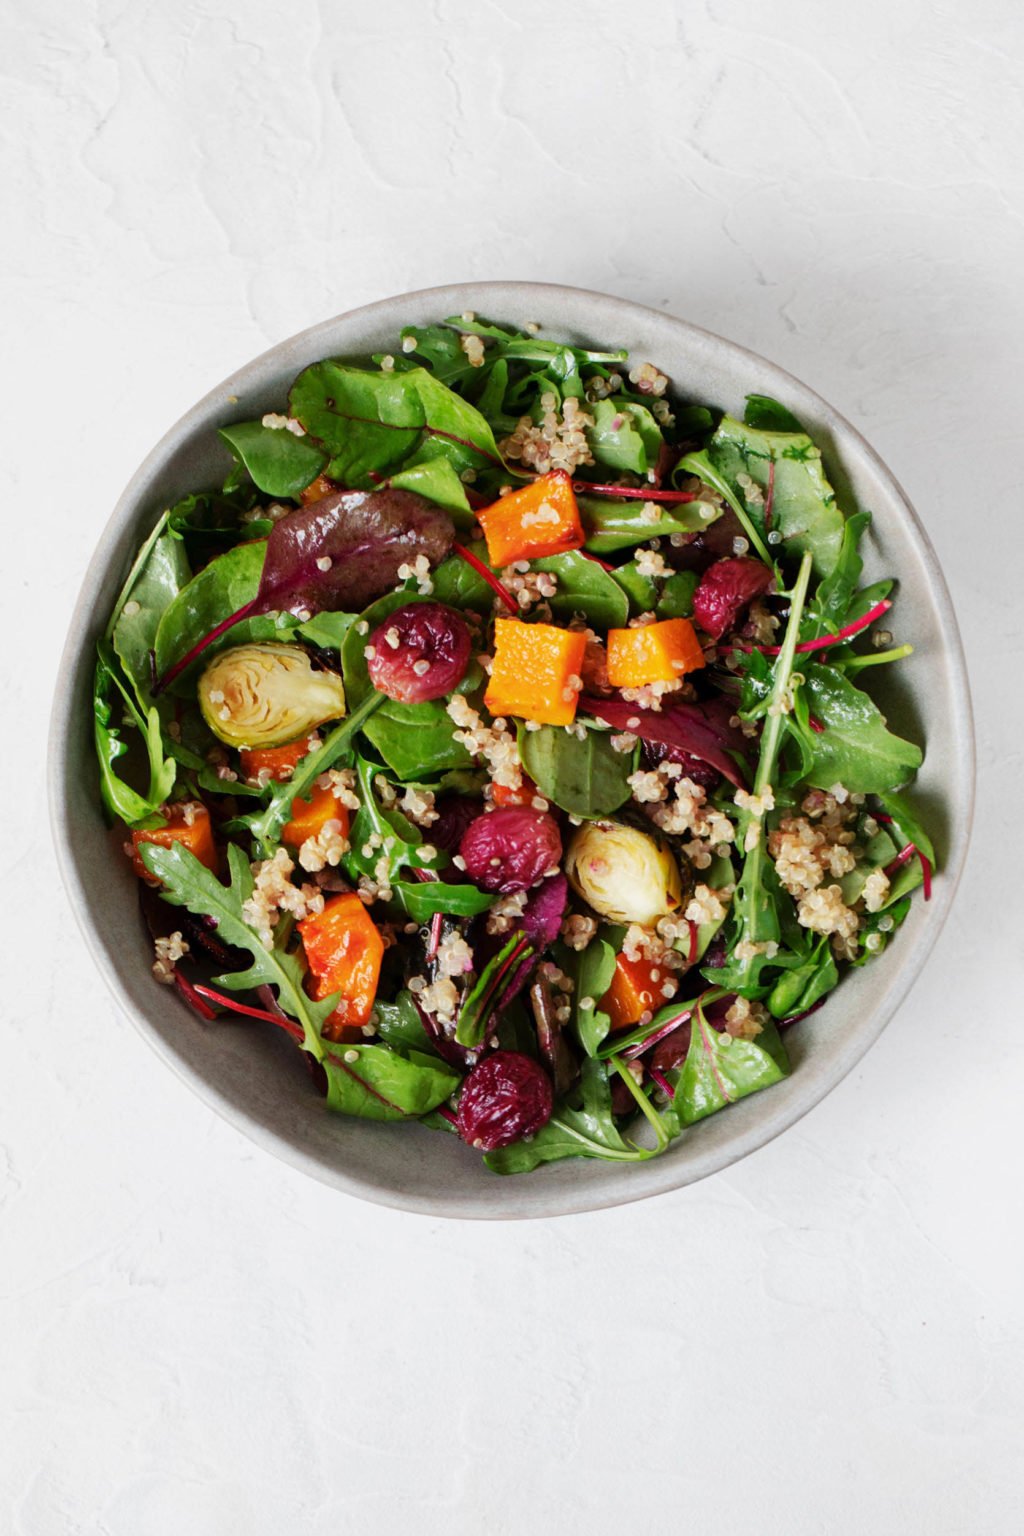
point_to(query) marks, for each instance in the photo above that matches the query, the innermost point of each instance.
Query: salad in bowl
(500, 730)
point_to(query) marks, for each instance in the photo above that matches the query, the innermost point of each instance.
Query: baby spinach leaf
(327, 631)
(459, 585)
(156, 579)
(584, 588)
(717, 1071)
(855, 749)
(641, 591)
(437, 480)
(372, 423)
(624, 436)
(802, 985)
(804, 508)
(278, 461)
(767, 415)
(676, 600)
(422, 899)
(375, 1082)
(586, 778)
(591, 970)
(227, 584)
(583, 1128)
(612, 524)
(187, 883)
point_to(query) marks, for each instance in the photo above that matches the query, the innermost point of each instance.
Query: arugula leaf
(376, 1082)
(855, 749)
(624, 436)
(700, 464)
(371, 423)
(386, 833)
(278, 461)
(584, 1128)
(612, 524)
(188, 883)
(906, 828)
(422, 899)
(583, 587)
(804, 508)
(586, 778)
(717, 1071)
(118, 796)
(755, 917)
(830, 608)
(266, 825)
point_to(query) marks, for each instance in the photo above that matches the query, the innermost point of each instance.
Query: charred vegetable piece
(264, 695)
(343, 950)
(536, 671)
(419, 652)
(188, 823)
(725, 591)
(505, 1097)
(540, 519)
(623, 873)
(512, 849)
(653, 653)
(311, 817)
(636, 989)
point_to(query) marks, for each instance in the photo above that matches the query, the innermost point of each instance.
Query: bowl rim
(662, 1174)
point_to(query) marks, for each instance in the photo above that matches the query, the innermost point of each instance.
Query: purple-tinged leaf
(702, 730)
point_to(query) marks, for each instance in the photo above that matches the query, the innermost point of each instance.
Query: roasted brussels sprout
(263, 695)
(623, 874)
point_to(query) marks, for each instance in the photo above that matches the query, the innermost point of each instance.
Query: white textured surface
(828, 1338)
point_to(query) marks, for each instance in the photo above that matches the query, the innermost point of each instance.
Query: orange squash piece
(502, 795)
(195, 835)
(635, 990)
(540, 519)
(317, 489)
(343, 950)
(309, 816)
(536, 671)
(653, 653)
(278, 762)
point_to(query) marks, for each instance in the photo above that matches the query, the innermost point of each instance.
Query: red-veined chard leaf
(698, 729)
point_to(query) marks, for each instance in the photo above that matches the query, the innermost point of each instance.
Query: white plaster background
(826, 1339)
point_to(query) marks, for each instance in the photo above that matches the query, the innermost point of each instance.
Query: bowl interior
(254, 1076)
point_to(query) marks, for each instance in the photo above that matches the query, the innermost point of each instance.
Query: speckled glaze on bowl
(254, 1077)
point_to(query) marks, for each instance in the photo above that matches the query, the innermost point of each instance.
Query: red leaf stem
(488, 576)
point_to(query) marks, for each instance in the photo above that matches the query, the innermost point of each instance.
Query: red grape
(420, 652)
(506, 1096)
(511, 849)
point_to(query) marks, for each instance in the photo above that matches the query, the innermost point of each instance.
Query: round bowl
(254, 1077)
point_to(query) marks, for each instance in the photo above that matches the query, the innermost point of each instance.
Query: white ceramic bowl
(253, 1076)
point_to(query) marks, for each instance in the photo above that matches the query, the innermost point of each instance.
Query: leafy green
(767, 415)
(700, 464)
(583, 587)
(376, 1082)
(906, 828)
(118, 796)
(422, 899)
(754, 915)
(478, 1003)
(624, 436)
(159, 574)
(416, 741)
(586, 778)
(591, 971)
(584, 1127)
(220, 589)
(265, 825)
(187, 883)
(459, 585)
(278, 461)
(802, 985)
(613, 524)
(717, 1071)
(856, 748)
(373, 423)
(327, 630)
(676, 600)
(804, 508)
(830, 607)
(438, 482)
(400, 1026)
(380, 832)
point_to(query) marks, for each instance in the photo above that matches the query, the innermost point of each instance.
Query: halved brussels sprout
(623, 874)
(263, 695)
